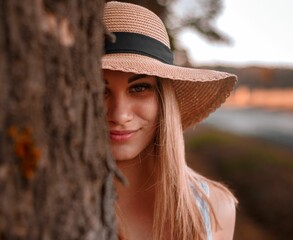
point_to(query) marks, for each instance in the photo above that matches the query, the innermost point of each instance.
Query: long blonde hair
(176, 214)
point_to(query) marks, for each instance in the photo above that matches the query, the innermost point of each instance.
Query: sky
(261, 33)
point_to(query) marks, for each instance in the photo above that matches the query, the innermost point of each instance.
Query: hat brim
(199, 91)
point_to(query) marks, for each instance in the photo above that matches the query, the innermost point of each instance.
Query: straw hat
(142, 47)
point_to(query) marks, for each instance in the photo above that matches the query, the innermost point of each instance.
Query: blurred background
(248, 143)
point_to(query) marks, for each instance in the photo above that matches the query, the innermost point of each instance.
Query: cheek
(148, 110)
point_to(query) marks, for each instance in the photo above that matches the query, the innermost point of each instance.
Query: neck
(135, 203)
(141, 177)
(139, 173)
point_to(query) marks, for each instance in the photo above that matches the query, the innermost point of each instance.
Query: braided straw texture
(125, 17)
(199, 92)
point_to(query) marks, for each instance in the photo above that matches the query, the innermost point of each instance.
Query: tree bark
(56, 172)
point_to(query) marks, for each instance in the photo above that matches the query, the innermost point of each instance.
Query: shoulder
(224, 206)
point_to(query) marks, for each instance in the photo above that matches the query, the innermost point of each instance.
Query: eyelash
(140, 87)
(134, 89)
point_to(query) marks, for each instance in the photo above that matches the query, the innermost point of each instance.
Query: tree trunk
(56, 172)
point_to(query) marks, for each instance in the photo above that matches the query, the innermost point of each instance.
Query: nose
(119, 110)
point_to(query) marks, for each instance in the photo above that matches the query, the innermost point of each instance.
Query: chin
(124, 157)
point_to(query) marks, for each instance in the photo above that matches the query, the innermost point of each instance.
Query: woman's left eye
(140, 87)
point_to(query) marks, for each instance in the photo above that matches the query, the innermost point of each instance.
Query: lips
(122, 136)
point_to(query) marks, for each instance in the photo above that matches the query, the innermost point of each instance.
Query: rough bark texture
(55, 170)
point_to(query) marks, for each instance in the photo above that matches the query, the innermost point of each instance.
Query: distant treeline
(261, 77)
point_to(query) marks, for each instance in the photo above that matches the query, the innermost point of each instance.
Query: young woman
(149, 103)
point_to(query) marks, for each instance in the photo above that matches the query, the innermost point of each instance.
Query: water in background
(276, 126)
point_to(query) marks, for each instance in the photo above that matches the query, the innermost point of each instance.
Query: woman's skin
(225, 212)
(132, 112)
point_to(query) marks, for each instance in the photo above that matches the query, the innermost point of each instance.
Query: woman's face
(132, 111)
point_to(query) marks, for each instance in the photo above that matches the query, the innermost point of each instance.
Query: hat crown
(127, 17)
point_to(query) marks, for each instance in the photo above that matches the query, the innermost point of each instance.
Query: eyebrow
(136, 77)
(132, 78)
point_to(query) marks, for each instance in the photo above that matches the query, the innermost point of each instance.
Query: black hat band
(127, 42)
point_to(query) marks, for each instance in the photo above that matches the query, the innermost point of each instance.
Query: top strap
(204, 207)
